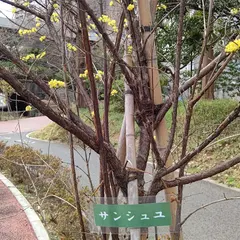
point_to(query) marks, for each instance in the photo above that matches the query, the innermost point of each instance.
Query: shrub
(54, 188)
(21, 162)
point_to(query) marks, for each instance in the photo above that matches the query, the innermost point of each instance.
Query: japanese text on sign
(137, 215)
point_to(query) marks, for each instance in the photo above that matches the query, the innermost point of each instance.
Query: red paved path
(14, 224)
(26, 124)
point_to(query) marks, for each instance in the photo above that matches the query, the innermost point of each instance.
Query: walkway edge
(41, 140)
(33, 218)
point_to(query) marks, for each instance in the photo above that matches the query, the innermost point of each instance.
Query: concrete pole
(161, 132)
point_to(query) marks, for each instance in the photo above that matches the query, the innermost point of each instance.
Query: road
(216, 222)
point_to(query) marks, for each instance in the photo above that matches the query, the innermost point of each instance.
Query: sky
(6, 9)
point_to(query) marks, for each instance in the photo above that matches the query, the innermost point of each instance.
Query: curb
(41, 140)
(32, 138)
(33, 218)
(209, 180)
(222, 185)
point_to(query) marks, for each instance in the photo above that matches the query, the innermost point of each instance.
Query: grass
(207, 115)
(60, 219)
(54, 132)
(5, 116)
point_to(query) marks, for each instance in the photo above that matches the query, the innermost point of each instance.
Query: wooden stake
(161, 131)
(130, 146)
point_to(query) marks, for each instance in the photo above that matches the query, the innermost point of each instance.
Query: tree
(52, 20)
(224, 23)
(229, 81)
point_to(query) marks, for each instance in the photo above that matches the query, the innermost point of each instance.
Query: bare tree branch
(167, 105)
(155, 186)
(26, 9)
(207, 174)
(176, 82)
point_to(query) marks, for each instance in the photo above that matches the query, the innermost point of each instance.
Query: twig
(197, 177)
(223, 139)
(73, 170)
(26, 9)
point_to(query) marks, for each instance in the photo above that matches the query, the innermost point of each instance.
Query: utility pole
(146, 20)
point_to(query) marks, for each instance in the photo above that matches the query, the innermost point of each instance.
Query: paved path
(14, 224)
(217, 222)
(25, 124)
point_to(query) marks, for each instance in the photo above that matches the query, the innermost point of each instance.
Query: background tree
(223, 27)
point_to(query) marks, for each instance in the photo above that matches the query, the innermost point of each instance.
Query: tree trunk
(208, 57)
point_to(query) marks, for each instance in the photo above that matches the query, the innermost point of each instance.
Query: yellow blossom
(114, 92)
(115, 29)
(33, 30)
(92, 114)
(20, 32)
(71, 47)
(99, 75)
(104, 18)
(84, 75)
(28, 108)
(41, 55)
(92, 26)
(161, 6)
(130, 7)
(28, 57)
(237, 41)
(38, 24)
(26, 4)
(129, 49)
(42, 38)
(54, 17)
(111, 22)
(14, 10)
(27, 31)
(37, 19)
(235, 11)
(55, 6)
(111, 3)
(54, 83)
(125, 22)
(232, 46)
